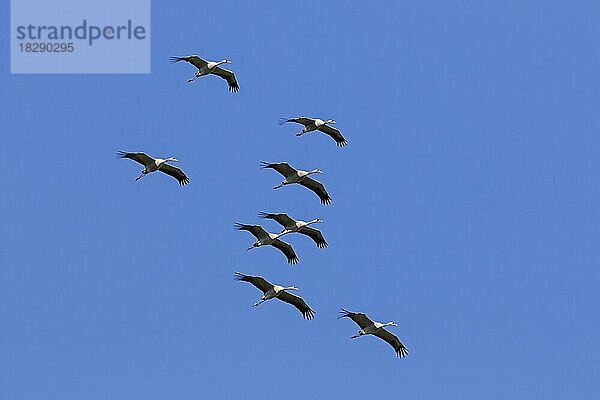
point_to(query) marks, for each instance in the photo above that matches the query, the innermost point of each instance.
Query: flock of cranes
(264, 238)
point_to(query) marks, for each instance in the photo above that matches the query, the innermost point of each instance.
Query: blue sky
(465, 207)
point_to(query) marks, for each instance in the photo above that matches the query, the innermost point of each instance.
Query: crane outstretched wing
(300, 120)
(297, 302)
(361, 319)
(175, 173)
(229, 76)
(334, 134)
(399, 348)
(193, 59)
(258, 281)
(316, 187)
(286, 249)
(255, 230)
(141, 158)
(315, 235)
(283, 168)
(282, 219)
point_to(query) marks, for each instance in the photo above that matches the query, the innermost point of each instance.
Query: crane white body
(298, 225)
(266, 240)
(315, 125)
(272, 293)
(373, 328)
(297, 177)
(208, 69)
(155, 165)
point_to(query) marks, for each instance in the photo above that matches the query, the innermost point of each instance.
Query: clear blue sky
(465, 207)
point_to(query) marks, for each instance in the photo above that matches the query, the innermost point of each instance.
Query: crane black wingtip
(174, 59)
(402, 352)
(238, 276)
(309, 314)
(293, 260)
